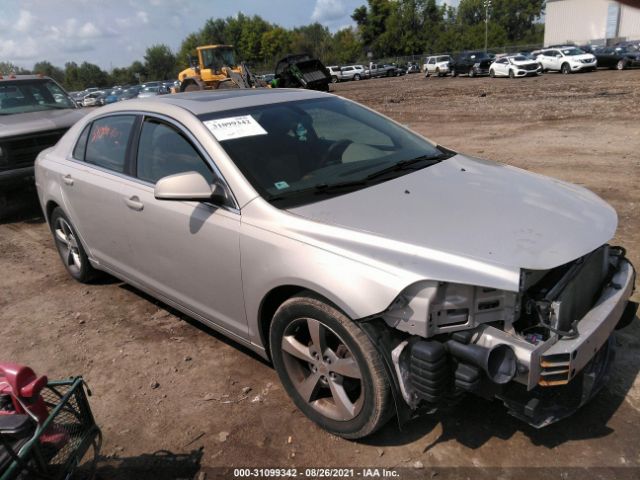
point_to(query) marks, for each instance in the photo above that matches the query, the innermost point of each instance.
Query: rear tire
(72, 253)
(453, 72)
(472, 72)
(329, 367)
(511, 74)
(356, 77)
(334, 79)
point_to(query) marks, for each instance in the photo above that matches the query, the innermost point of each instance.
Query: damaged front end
(544, 350)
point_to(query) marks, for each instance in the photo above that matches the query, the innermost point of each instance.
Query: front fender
(270, 260)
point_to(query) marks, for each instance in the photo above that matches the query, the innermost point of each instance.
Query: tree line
(384, 28)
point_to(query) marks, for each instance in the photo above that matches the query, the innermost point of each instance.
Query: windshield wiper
(319, 189)
(409, 165)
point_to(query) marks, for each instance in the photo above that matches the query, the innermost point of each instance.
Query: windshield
(299, 152)
(150, 89)
(519, 58)
(35, 95)
(216, 58)
(570, 52)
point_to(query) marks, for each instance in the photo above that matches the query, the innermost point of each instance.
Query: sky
(114, 33)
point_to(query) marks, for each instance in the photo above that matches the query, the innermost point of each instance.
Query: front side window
(301, 151)
(108, 140)
(572, 52)
(164, 151)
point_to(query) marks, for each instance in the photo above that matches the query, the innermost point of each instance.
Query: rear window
(108, 140)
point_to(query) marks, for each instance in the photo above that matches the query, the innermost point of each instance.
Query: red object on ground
(23, 387)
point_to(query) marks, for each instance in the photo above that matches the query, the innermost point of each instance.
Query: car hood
(522, 63)
(33, 122)
(467, 211)
(586, 56)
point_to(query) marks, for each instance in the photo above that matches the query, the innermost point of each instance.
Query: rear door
(92, 182)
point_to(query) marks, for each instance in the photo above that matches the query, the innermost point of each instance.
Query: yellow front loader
(216, 68)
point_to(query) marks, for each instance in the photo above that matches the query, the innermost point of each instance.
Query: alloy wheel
(323, 369)
(67, 244)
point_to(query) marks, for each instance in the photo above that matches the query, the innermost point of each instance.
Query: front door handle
(134, 203)
(67, 179)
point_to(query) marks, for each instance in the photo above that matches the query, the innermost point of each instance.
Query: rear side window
(81, 146)
(108, 140)
(164, 151)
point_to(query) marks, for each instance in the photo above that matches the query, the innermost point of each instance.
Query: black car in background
(471, 63)
(35, 112)
(618, 57)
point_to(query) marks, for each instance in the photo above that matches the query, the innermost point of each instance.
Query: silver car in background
(380, 272)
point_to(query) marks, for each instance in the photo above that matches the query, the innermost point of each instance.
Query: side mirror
(558, 56)
(188, 186)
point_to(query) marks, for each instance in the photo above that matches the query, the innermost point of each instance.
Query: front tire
(621, 65)
(492, 73)
(565, 69)
(511, 74)
(472, 72)
(329, 367)
(356, 77)
(72, 253)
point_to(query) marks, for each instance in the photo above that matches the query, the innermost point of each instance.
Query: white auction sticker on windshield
(234, 127)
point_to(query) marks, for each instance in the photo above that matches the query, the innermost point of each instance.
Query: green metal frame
(31, 448)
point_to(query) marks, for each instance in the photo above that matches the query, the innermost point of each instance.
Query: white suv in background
(335, 73)
(437, 65)
(566, 60)
(353, 72)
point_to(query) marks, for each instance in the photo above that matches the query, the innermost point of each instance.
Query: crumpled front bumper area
(543, 406)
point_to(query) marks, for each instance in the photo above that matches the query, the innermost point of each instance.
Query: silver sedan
(380, 272)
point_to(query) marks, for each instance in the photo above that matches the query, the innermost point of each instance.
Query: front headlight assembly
(431, 308)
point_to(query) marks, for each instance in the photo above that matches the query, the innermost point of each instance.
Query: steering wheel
(335, 150)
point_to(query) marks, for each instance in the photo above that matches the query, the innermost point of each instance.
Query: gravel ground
(175, 400)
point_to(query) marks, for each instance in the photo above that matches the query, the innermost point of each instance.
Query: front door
(187, 251)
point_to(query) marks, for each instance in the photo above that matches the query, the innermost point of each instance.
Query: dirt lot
(581, 128)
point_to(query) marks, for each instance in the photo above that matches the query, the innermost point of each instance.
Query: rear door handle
(134, 203)
(67, 179)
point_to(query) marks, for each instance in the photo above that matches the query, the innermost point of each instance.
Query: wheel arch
(276, 297)
(49, 208)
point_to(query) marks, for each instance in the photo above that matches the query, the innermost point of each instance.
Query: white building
(589, 21)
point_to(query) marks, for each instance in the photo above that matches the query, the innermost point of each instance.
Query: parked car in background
(151, 91)
(78, 97)
(112, 96)
(413, 68)
(377, 70)
(567, 60)
(630, 44)
(353, 72)
(335, 73)
(400, 70)
(471, 63)
(301, 225)
(129, 93)
(618, 57)
(514, 66)
(35, 112)
(94, 99)
(438, 65)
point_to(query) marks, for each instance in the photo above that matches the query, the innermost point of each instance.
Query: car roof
(209, 101)
(13, 77)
